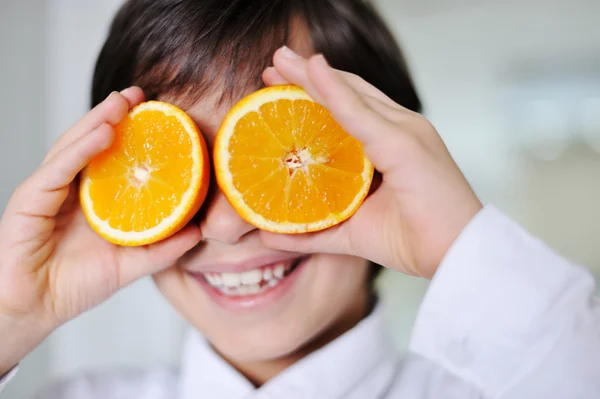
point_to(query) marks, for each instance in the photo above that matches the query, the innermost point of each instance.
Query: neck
(262, 371)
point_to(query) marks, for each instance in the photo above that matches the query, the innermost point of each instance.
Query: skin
(423, 202)
(53, 267)
(329, 298)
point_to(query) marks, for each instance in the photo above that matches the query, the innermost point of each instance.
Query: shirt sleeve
(511, 317)
(5, 379)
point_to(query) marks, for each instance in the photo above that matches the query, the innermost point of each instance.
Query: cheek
(338, 284)
(183, 295)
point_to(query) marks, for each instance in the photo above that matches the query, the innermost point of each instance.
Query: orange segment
(299, 209)
(259, 141)
(151, 181)
(336, 188)
(286, 165)
(346, 156)
(278, 118)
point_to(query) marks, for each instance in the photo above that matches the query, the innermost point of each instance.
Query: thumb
(137, 262)
(334, 240)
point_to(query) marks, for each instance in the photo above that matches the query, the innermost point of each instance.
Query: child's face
(320, 298)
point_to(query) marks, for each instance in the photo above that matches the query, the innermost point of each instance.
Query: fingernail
(130, 88)
(111, 94)
(289, 53)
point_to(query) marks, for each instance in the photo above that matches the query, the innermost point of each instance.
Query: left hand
(410, 221)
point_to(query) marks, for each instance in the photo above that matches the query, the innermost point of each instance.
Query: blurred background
(513, 87)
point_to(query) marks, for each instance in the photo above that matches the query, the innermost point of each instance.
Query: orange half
(287, 166)
(151, 181)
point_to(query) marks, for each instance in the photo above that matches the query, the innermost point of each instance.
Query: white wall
(22, 111)
(463, 61)
(22, 91)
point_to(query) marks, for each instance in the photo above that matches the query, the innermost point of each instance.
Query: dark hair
(186, 48)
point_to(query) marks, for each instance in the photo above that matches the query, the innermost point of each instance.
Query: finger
(137, 262)
(333, 241)
(383, 108)
(42, 194)
(348, 108)
(134, 95)
(372, 120)
(273, 78)
(362, 86)
(293, 68)
(373, 97)
(60, 170)
(111, 111)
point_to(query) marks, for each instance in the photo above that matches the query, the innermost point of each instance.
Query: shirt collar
(355, 354)
(204, 374)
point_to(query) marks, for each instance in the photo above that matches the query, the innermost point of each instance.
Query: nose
(222, 223)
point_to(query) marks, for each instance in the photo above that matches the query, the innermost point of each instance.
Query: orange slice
(151, 181)
(286, 165)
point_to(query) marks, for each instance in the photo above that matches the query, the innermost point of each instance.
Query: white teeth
(251, 276)
(211, 279)
(267, 274)
(250, 282)
(217, 279)
(231, 279)
(253, 289)
(243, 290)
(279, 271)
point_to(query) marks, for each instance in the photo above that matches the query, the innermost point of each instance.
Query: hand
(423, 202)
(52, 265)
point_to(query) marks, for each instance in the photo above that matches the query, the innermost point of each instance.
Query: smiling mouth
(252, 282)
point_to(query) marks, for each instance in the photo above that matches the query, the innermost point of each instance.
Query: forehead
(209, 111)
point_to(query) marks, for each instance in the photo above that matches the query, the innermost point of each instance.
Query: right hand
(422, 202)
(53, 266)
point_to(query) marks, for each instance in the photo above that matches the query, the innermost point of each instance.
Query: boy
(204, 56)
(316, 332)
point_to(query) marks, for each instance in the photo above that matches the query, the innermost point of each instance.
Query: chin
(256, 347)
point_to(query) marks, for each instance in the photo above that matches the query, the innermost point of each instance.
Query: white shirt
(504, 317)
